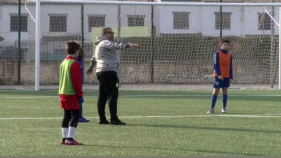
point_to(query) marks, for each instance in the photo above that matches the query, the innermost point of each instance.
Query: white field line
(195, 95)
(145, 117)
(28, 97)
(124, 96)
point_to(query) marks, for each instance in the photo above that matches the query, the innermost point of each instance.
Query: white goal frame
(38, 33)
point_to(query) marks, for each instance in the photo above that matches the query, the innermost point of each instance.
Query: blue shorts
(221, 83)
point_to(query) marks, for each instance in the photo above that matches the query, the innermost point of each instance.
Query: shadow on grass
(32, 93)
(202, 95)
(212, 152)
(206, 128)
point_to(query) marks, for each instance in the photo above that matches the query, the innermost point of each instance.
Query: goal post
(183, 42)
(279, 68)
(37, 46)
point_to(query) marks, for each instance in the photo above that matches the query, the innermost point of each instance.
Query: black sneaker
(105, 122)
(117, 122)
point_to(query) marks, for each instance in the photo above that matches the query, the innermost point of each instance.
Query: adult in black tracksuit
(106, 61)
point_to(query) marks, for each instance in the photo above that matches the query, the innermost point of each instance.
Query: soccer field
(159, 123)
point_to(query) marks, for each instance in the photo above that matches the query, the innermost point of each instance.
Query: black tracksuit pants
(108, 92)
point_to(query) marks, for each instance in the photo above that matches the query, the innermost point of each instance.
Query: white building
(64, 20)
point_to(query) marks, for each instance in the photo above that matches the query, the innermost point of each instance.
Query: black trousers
(108, 92)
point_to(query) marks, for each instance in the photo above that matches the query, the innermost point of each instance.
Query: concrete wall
(133, 72)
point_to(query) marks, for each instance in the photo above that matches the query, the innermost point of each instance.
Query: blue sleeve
(231, 68)
(80, 61)
(216, 64)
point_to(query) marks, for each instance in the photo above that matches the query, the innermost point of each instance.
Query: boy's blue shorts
(225, 83)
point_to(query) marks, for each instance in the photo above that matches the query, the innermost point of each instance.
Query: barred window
(58, 23)
(136, 20)
(14, 23)
(181, 20)
(96, 21)
(264, 21)
(224, 20)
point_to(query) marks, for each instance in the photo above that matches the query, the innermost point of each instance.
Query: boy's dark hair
(81, 53)
(72, 47)
(224, 41)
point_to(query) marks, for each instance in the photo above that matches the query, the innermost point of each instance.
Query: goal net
(177, 41)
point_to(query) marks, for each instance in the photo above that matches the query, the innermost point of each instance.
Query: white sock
(64, 132)
(71, 132)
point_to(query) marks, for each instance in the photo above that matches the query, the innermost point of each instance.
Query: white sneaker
(223, 110)
(211, 111)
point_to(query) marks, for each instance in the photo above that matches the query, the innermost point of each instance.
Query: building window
(136, 20)
(264, 21)
(0, 12)
(14, 23)
(96, 21)
(58, 23)
(181, 20)
(224, 20)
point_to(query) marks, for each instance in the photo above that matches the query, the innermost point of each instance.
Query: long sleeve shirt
(105, 57)
(70, 79)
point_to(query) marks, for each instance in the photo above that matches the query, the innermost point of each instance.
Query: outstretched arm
(119, 45)
(92, 64)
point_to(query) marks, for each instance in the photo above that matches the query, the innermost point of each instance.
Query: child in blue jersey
(80, 61)
(223, 72)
